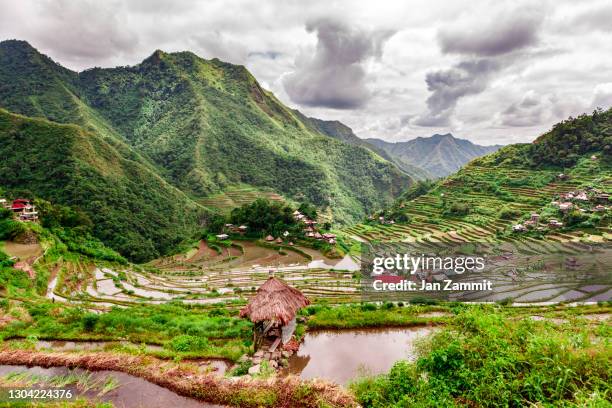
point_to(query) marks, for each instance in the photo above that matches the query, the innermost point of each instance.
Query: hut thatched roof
(275, 300)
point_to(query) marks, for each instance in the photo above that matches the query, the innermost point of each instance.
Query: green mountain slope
(439, 155)
(133, 209)
(488, 196)
(340, 131)
(206, 126)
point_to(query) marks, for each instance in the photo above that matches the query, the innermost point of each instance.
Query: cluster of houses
(22, 208)
(567, 202)
(534, 223)
(311, 230)
(231, 228)
(382, 220)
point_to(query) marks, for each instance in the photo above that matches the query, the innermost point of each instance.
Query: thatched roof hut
(274, 301)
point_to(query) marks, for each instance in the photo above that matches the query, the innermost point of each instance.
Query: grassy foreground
(493, 357)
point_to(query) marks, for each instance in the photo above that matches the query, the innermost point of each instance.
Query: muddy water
(133, 392)
(342, 355)
(22, 251)
(256, 256)
(346, 264)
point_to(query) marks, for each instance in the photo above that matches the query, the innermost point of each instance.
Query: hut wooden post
(257, 335)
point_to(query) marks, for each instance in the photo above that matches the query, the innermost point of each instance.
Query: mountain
(439, 155)
(340, 131)
(487, 197)
(133, 209)
(195, 126)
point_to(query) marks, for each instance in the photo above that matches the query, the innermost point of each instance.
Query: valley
(173, 227)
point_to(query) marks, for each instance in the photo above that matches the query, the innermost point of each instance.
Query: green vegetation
(263, 217)
(184, 331)
(203, 126)
(486, 358)
(369, 315)
(564, 145)
(483, 200)
(126, 204)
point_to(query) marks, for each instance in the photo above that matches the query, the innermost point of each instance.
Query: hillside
(340, 131)
(133, 210)
(204, 126)
(486, 198)
(439, 155)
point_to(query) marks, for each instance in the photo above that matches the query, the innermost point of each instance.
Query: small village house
(4, 203)
(24, 210)
(599, 208)
(269, 238)
(273, 310)
(222, 237)
(581, 196)
(564, 207)
(554, 223)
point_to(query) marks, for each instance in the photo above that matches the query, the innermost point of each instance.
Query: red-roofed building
(24, 210)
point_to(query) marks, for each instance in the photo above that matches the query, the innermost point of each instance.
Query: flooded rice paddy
(122, 390)
(342, 355)
(208, 275)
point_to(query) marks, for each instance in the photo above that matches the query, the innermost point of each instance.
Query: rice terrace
(179, 229)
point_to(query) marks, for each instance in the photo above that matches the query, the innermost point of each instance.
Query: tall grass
(487, 360)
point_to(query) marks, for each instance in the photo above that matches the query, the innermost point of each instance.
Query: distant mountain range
(340, 131)
(438, 155)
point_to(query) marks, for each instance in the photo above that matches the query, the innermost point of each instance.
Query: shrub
(187, 343)
(89, 321)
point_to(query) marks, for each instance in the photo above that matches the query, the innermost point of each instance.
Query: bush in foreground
(486, 360)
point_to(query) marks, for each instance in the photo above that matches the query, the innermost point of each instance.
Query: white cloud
(556, 56)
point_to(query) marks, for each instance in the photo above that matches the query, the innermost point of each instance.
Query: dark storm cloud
(334, 75)
(449, 85)
(500, 36)
(486, 50)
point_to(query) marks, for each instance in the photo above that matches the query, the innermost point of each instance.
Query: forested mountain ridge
(133, 210)
(205, 124)
(439, 155)
(199, 125)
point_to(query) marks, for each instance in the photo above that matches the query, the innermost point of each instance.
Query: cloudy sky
(488, 71)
